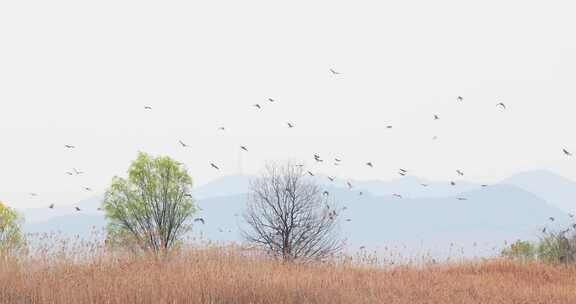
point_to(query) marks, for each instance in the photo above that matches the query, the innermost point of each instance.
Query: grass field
(229, 275)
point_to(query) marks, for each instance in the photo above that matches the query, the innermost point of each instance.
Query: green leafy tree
(11, 239)
(152, 208)
(557, 247)
(520, 250)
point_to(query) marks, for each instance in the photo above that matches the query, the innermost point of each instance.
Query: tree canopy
(11, 238)
(152, 208)
(290, 216)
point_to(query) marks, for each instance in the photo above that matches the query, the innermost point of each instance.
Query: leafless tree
(290, 217)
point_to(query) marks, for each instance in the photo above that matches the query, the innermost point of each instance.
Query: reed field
(88, 273)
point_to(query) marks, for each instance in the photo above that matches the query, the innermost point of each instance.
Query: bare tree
(290, 216)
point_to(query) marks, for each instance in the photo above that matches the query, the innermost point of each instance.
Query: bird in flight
(69, 173)
(290, 125)
(397, 195)
(214, 166)
(460, 172)
(51, 206)
(460, 98)
(484, 185)
(326, 193)
(551, 219)
(567, 152)
(348, 220)
(244, 148)
(461, 198)
(77, 172)
(544, 230)
(570, 215)
(33, 194)
(334, 72)
(69, 146)
(389, 127)
(424, 185)
(199, 219)
(317, 158)
(258, 106)
(77, 208)
(222, 129)
(501, 104)
(271, 100)
(349, 185)
(403, 170)
(402, 173)
(310, 173)
(370, 164)
(87, 188)
(453, 183)
(331, 178)
(436, 117)
(361, 193)
(337, 159)
(183, 144)
(147, 108)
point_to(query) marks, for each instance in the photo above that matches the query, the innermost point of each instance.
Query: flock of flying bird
(316, 157)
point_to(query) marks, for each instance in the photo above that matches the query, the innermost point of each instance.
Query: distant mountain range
(429, 217)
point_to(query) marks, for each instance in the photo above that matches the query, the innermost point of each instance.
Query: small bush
(557, 248)
(520, 250)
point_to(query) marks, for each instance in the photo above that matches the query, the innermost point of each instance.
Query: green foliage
(152, 208)
(520, 250)
(11, 239)
(557, 248)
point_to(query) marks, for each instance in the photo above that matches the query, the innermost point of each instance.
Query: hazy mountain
(224, 186)
(555, 189)
(89, 205)
(425, 217)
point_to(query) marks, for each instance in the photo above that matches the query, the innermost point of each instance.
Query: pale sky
(81, 72)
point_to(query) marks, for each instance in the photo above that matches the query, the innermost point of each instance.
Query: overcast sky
(81, 72)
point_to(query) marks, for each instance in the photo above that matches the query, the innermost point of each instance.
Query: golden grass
(228, 275)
